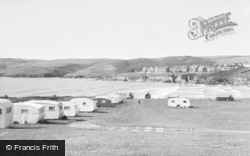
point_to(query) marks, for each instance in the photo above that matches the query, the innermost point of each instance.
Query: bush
(54, 97)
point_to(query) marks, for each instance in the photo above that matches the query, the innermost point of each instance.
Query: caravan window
(51, 108)
(184, 101)
(24, 111)
(173, 101)
(66, 108)
(9, 110)
(84, 103)
(0, 111)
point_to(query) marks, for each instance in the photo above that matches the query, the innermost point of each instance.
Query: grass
(218, 129)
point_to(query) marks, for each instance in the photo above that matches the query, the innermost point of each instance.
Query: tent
(84, 104)
(70, 108)
(148, 96)
(6, 113)
(53, 109)
(178, 102)
(28, 112)
(102, 102)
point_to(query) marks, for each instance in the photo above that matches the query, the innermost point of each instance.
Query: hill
(225, 76)
(10, 67)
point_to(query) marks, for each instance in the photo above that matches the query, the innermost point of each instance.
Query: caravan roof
(45, 102)
(67, 103)
(82, 99)
(28, 103)
(5, 103)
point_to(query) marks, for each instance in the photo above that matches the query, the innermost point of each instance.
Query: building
(183, 69)
(201, 68)
(193, 68)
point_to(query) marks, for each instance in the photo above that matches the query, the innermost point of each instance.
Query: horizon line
(125, 59)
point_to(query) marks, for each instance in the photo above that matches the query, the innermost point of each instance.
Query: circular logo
(8, 147)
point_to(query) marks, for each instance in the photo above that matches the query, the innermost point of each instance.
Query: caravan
(53, 109)
(179, 102)
(6, 113)
(84, 104)
(70, 109)
(115, 98)
(124, 94)
(102, 102)
(27, 112)
(112, 97)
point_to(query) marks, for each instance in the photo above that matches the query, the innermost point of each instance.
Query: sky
(120, 29)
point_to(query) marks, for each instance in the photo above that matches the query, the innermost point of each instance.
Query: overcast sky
(59, 29)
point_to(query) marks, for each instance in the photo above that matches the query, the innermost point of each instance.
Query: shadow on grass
(81, 115)
(59, 121)
(75, 119)
(194, 107)
(98, 111)
(190, 107)
(112, 106)
(80, 120)
(25, 127)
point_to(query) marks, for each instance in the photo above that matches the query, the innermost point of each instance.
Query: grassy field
(210, 128)
(63, 87)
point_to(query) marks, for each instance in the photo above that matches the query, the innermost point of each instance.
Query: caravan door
(24, 116)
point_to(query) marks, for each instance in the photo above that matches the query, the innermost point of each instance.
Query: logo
(210, 28)
(32, 147)
(8, 147)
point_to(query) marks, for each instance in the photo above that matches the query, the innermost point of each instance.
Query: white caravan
(123, 94)
(70, 108)
(53, 109)
(28, 112)
(6, 113)
(112, 97)
(84, 104)
(179, 102)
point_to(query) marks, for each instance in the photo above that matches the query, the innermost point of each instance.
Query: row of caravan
(33, 111)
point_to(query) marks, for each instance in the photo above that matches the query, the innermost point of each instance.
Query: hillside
(225, 76)
(230, 59)
(10, 67)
